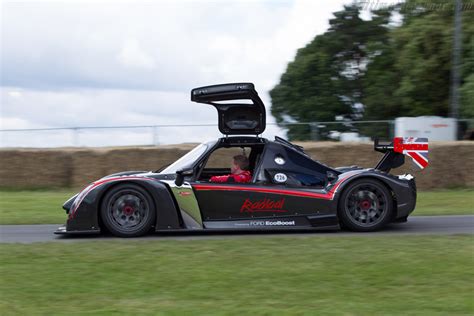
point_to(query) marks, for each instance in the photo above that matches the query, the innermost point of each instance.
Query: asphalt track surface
(416, 225)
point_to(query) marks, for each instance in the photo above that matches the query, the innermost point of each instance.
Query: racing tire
(127, 210)
(365, 205)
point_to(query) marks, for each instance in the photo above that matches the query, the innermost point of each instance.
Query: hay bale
(451, 163)
(24, 168)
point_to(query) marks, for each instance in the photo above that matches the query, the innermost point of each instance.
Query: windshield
(186, 160)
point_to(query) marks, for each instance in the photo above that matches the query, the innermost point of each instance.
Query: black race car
(288, 189)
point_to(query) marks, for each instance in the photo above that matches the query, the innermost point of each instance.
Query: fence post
(75, 136)
(391, 126)
(154, 131)
(314, 132)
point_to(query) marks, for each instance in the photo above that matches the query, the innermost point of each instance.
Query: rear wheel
(128, 210)
(365, 205)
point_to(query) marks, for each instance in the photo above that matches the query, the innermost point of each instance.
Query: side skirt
(323, 222)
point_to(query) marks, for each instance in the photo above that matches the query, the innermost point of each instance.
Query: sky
(112, 63)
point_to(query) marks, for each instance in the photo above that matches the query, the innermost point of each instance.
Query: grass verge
(33, 206)
(445, 202)
(272, 276)
(44, 207)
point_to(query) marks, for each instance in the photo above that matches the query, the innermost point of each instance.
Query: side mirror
(331, 176)
(180, 174)
(179, 179)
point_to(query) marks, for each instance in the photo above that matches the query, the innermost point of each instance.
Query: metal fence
(152, 135)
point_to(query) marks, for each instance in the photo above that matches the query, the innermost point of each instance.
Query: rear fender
(403, 189)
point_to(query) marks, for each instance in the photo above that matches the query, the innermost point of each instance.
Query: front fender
(84, 212)
(124, 173)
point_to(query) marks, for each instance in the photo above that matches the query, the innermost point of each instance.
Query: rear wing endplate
(395, 152)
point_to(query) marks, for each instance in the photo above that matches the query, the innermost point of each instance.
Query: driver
(238, 171)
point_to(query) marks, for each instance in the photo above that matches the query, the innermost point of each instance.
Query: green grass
(310, 275)
(44, 206)
(33, 206)
(445, 202)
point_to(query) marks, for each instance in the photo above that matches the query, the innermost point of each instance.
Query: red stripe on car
(325, 196)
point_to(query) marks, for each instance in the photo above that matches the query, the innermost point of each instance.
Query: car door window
(219, 162)
(222, 158)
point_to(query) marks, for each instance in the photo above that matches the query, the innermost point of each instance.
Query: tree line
(395, 63)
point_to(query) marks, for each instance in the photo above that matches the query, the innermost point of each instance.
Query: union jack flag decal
(416, 148)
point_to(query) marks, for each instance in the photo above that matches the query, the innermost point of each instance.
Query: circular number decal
(280, 177)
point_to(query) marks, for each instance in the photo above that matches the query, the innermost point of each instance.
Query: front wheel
(365, 205)
(128, 210)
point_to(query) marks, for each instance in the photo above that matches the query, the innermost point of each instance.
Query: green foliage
(324, 79)
(424, 45)
(265, 275)
(376, 70)
(467, 97)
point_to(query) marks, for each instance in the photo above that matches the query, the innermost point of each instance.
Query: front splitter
(62, 230)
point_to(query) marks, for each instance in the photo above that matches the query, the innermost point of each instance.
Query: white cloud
(85, 63)
(14, 94)
(13, 123)
(133, 55)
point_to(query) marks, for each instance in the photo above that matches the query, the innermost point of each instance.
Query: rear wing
(395, 152)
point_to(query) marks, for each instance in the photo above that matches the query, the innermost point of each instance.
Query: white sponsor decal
(280, 223)
(272, 223)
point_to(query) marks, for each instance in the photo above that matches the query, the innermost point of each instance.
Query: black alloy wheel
(128, 210)
(365, 205)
